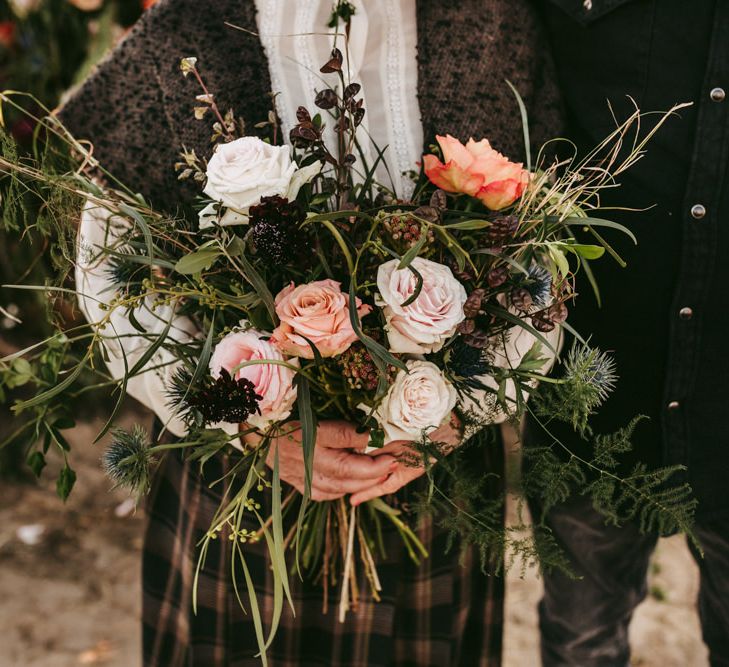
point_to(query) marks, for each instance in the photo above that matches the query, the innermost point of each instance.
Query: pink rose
(272, 381)
(319, 312)
(428, 322)
(478, 170)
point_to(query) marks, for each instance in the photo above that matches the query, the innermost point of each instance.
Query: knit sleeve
(136, 108)
(465, 61)
(119, 109)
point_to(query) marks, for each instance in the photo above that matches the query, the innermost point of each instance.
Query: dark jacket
(666, 315)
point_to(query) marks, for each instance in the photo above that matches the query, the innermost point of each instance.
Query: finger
(392, 484)
(333, 485)
(319, 496)
(395, 447)
(347, 465)
(339, 434)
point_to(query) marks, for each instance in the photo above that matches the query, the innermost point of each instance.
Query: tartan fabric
(443, 613)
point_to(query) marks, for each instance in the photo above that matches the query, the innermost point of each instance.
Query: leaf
(469, 225)
(308, 430)
(563, 266)
(509, 260)
(586, 250)
(533, 359)
(599, 222)
(142, 223)
(278, 536)
(412, 253)
(308, 442)
(36, 462)
(54, 391)
(377, 438)
(524, 124)
(416, 291)
(197, 261)
(64, 483)
(260, 286)
(379, 353)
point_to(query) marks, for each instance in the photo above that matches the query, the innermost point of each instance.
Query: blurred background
(69, 572)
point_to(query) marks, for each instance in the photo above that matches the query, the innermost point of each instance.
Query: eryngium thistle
(539, 285)
(593, 372)
(466, 361)
(275, 230)
(128, 460)
(225, 399)
(127, 274)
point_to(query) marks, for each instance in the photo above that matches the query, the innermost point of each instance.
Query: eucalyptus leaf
(197, 261)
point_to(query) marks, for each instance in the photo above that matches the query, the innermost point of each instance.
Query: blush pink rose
(319, 312)
(477, 170)
(423, 326)
(274, 382)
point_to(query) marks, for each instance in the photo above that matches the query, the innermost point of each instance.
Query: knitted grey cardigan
(137, 109)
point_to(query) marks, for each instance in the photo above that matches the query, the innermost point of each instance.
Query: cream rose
(418, 402)
(274, 382)
(319, 312)
(243, 171)
(428, 322)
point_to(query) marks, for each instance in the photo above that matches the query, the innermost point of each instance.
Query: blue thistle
(593, 370)
(129, 459)
(539, 285)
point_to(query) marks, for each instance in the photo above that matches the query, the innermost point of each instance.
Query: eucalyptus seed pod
(497, 277)
(478, 339)
(472, 306)
(521, 299)
(542, 322)
(326, 99)
(502, 228)
(558, 312)
(466, 327)
(438, 200)
(334, 64)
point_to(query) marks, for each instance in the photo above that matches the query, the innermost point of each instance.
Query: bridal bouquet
(304, 290)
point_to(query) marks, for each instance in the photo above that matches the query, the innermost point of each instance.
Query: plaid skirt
(442, 613)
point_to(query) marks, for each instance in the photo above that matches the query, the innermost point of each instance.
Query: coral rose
(477, 170)
(274, 382)
(317, 312)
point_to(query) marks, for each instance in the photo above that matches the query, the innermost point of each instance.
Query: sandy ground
(69, 583)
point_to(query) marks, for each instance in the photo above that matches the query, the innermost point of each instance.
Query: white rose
(429, 321)
(418, 401)
(243, 171)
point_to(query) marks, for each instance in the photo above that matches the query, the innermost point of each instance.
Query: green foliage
(588, 378)
(649, 497)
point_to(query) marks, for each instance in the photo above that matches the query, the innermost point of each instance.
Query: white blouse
(381, 55)
(382, 58)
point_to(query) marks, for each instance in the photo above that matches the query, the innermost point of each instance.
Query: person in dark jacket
(665, 315)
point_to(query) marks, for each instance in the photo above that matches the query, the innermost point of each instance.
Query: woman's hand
(340, 465)
(405, 471)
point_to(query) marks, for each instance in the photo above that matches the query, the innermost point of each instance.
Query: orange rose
(477, 170)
